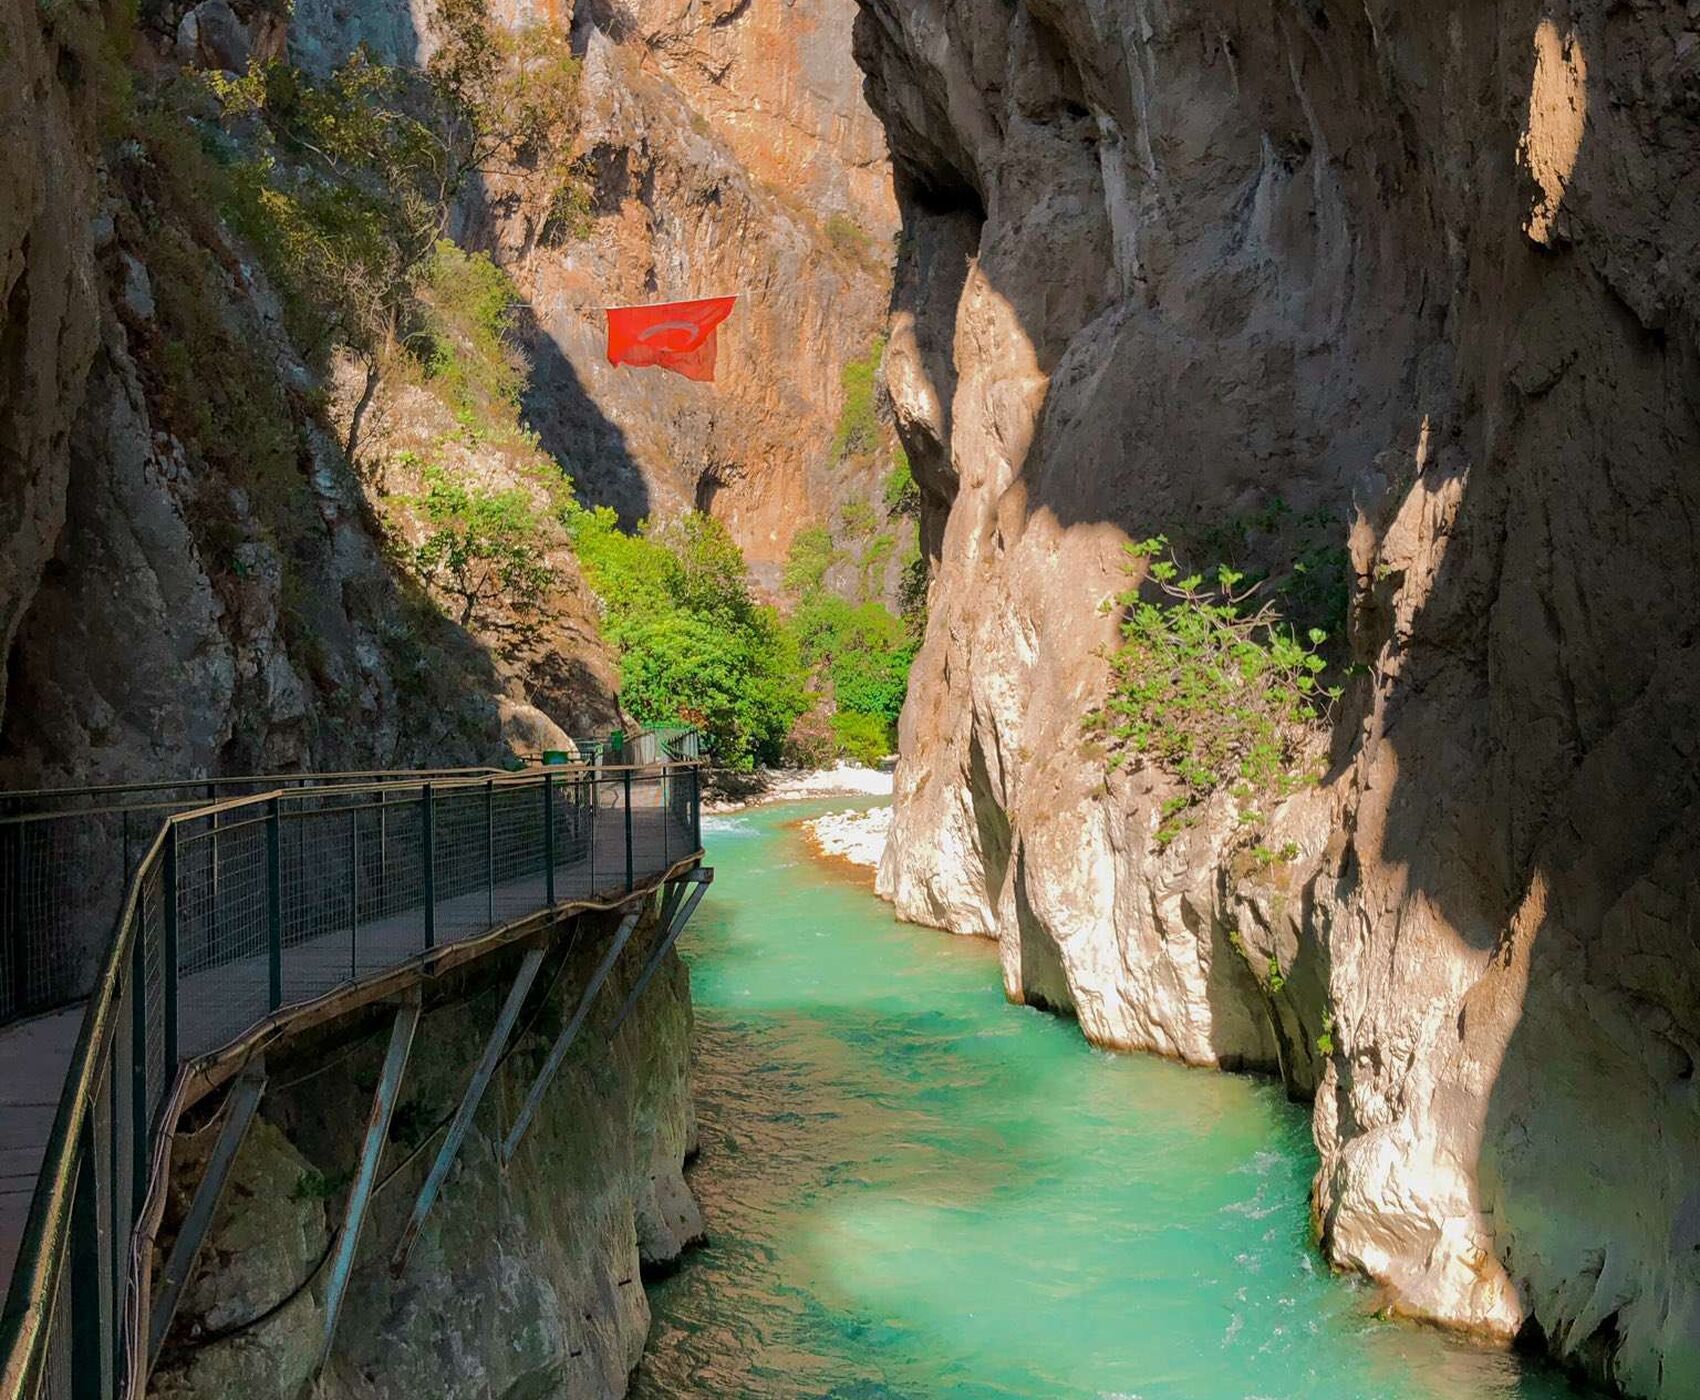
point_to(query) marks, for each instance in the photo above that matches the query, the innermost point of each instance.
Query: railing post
(549, 838)
(274, 900)
(383, 849)
(490, 852)
(354, 891)
(88, 1381)
(168, 972)
(140, 1117)
(15, 898)
(212, 797)
(427, 825)
(630, 881)
(696, 807)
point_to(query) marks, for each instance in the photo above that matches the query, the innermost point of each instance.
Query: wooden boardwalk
(220, 1004)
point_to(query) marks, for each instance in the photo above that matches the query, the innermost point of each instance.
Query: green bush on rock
(484, 549)
(695, 647)
(1210, 690)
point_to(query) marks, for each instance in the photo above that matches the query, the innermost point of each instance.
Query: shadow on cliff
(1527, 782)
(573, 429)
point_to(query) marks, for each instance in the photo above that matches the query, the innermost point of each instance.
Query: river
(914, 1189)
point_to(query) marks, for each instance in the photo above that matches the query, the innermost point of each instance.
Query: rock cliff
(1424, 279)
(723, 147)
(195, 579)
(522, 1283)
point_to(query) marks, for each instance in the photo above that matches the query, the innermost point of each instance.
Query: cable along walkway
(257, 907)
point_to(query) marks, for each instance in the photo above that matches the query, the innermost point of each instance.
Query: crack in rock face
(1425, 281)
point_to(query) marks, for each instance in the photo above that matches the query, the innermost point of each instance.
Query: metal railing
(233, 913)
(67, 854)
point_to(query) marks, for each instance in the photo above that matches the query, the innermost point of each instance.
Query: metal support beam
(564, 1042)
(700, 878)
(238, 1116)
(670, 897)
(360, 1194)
(474, 1095)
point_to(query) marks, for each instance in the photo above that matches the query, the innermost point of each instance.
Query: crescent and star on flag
(674, 335)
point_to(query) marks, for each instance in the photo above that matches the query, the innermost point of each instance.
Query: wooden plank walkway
(219, 1004)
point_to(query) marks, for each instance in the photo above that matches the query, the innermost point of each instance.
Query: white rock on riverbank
(858, 837)
(793, 784)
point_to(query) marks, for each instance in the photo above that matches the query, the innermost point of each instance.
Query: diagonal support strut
(564, 1042)
(239, 1116)
(671, 927)
(464, 1115)
(360, 1194)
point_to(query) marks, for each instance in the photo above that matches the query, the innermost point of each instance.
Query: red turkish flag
(676, 335)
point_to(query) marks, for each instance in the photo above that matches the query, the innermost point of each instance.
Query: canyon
(1395, 304)
(1415, 289)
(213, 536)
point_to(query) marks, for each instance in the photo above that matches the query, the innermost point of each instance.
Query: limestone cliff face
(523, 1283)
(47, 317)
(724, 148)
(194, 579)
(730, 150)
(1428, 276)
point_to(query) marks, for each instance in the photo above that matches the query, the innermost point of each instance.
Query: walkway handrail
(187, 926)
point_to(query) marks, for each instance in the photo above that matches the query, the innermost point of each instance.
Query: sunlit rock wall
(726, 148)
(1430, 274)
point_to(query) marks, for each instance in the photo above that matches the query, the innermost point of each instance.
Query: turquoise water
(914, 1189)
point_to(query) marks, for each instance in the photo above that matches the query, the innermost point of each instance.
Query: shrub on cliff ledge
(1207, 688)
(483, 549)
(858, 421)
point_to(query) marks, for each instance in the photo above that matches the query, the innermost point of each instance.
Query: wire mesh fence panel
(128, 1095)
(252, 905)
(55, 1383)
(223, 917)
(460, 820)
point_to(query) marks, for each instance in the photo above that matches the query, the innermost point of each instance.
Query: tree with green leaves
(694, 644)
(1208, 688)
(484, 550)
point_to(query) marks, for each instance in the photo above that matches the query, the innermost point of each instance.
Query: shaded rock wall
(528, 1283)
(167, 604)
(1429, 277)
(47, 301)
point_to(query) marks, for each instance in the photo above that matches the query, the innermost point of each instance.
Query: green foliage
(348, 182)
(1207, 689)
(871, 566)
(864, 653)
(468, 309)
(1325, 1041)
(856, 520)
(1314, 590)
(216, 392)
(812, 553)
(902, 495)
(912, 590)
(863, 738)
(484, 549)
(858, 420)
(848, 237)
(1277, 979)
(571, 215)
(695, 647)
